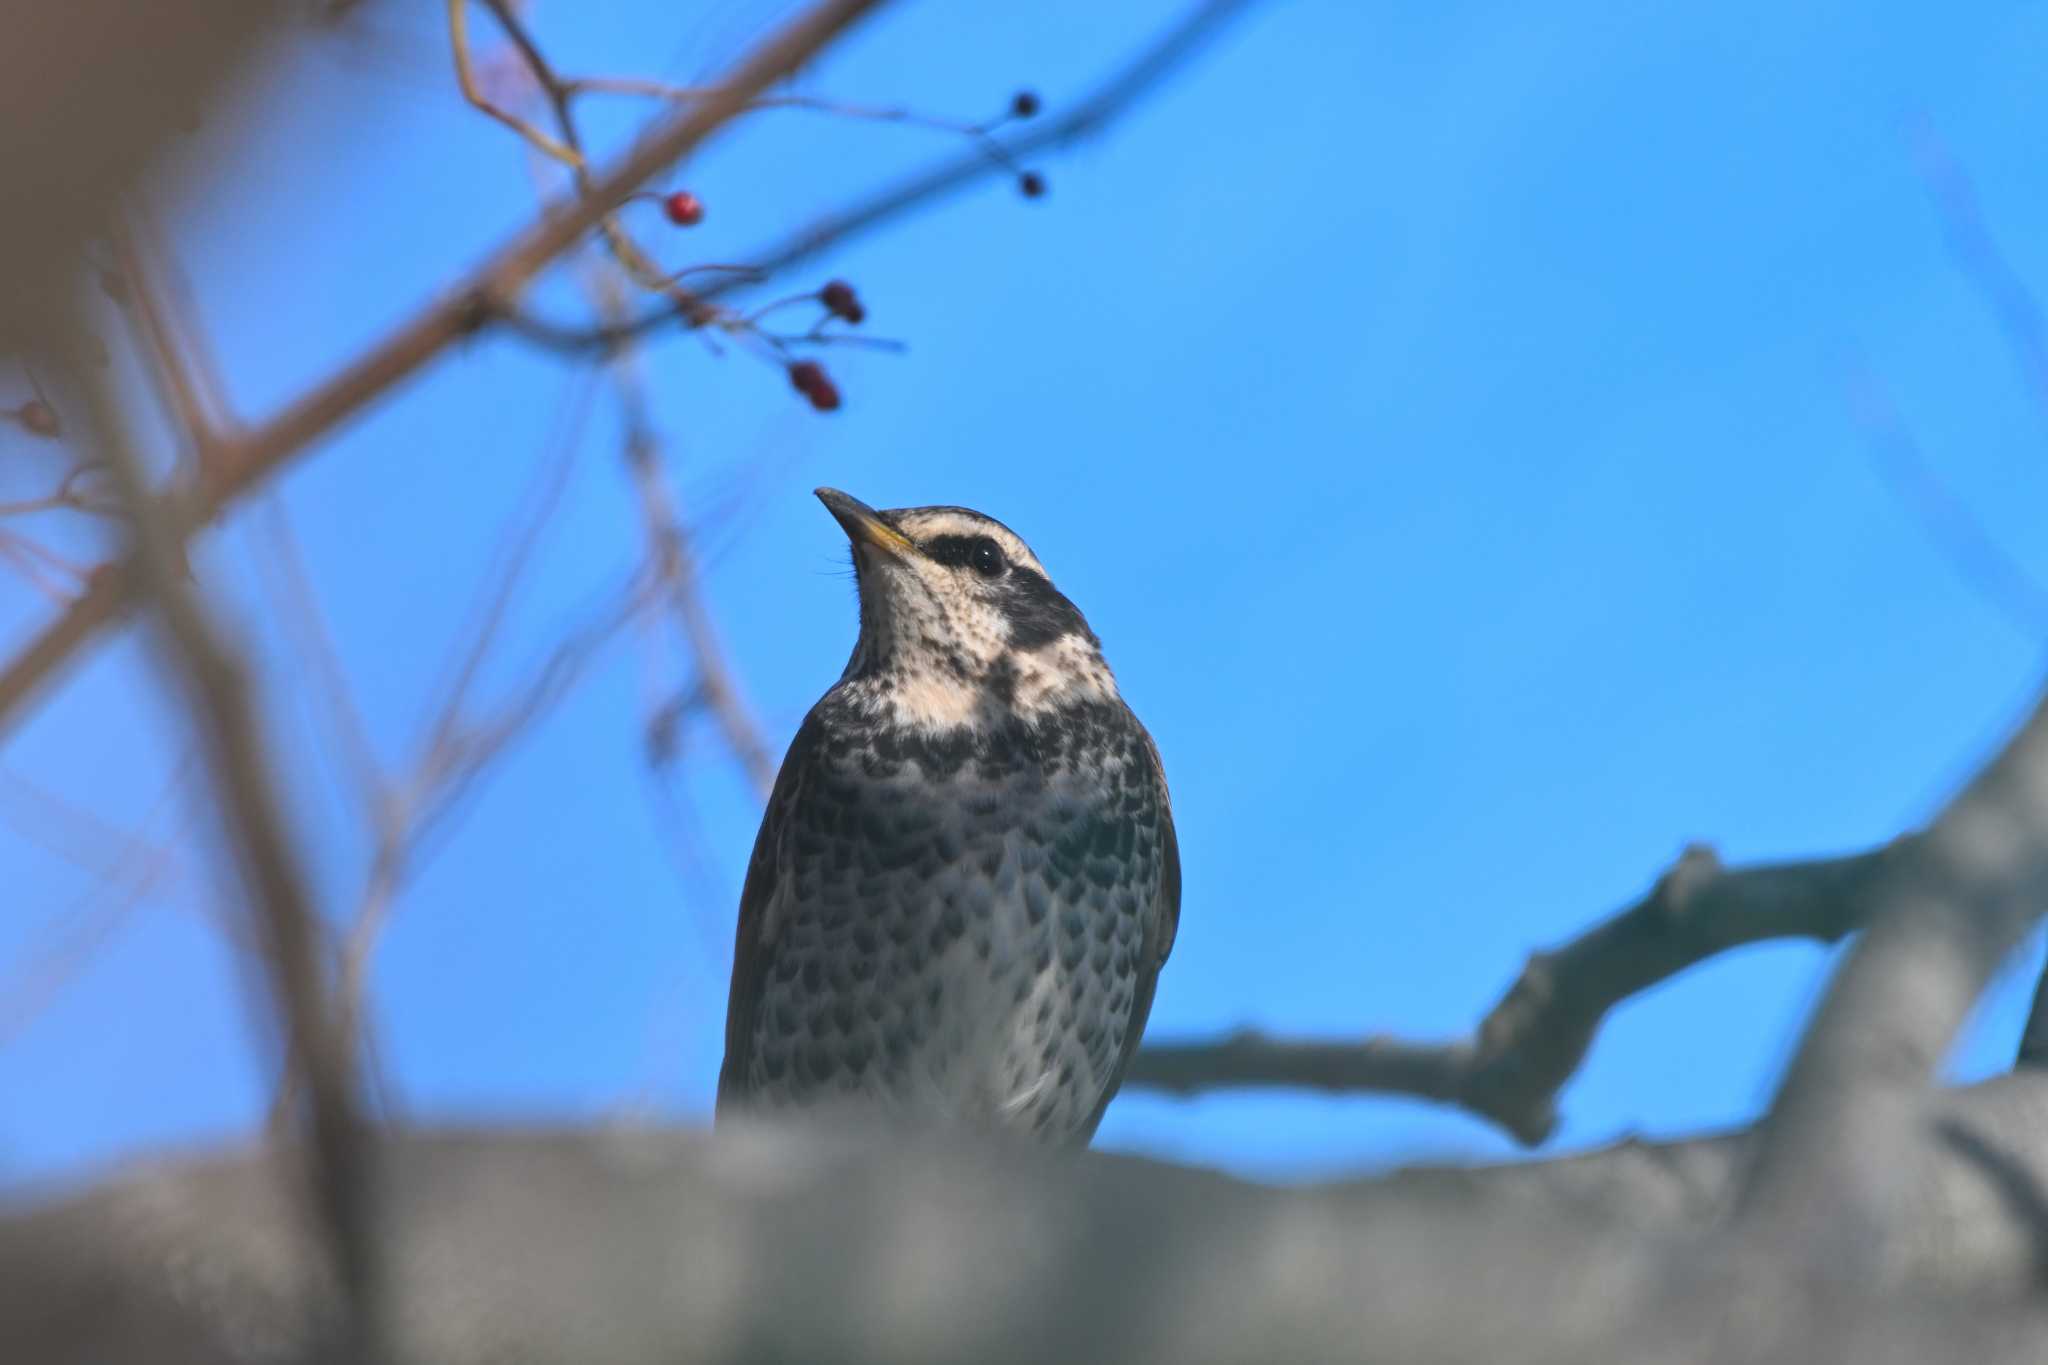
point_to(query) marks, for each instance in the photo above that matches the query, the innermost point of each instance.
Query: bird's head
(959, 622)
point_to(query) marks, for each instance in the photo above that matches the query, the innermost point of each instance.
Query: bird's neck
(935, 693)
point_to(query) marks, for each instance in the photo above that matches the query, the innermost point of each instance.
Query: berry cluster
(685, 209)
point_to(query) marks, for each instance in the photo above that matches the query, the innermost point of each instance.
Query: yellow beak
(864, 525)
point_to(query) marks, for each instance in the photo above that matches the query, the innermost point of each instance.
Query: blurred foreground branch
(217, 689)
(630, 1246)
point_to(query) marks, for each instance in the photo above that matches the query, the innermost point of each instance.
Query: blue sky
(1442, 413)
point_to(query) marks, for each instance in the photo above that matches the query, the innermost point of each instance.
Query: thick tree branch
(1533, 1041)
(630, 1246)
(1831, 1158)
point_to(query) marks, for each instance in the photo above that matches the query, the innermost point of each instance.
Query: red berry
(683, 208)
(35, 416)
(1032, 184)
(1024, 104)
(841, 302)
(808, 378)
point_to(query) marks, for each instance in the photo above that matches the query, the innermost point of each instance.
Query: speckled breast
(957, 924)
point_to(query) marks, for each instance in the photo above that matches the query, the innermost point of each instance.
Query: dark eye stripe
(958, 551)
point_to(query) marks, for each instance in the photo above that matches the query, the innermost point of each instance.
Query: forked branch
(1533, 1041)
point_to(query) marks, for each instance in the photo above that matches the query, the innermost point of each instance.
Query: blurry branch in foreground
(128, 868)
(406, 812)
(220, 697)
(642, 1247)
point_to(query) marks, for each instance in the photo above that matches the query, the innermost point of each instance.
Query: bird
(966, 879)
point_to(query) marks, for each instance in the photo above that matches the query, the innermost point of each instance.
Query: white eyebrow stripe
(926, 524)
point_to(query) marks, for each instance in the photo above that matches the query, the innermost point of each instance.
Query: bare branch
(105, 596)
(1095, 111)
(717, 687)
(2019, 316)
(255, 454)
(634, 1245)
(125, 877)
(175, 356)
(457, 748)
(1978, 256)
(221, 700)
(673, 559)
(465, 79)
(1828, 1163)
(300, 606)
(1533, 1041)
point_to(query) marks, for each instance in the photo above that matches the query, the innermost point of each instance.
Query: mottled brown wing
(1159, 936)
(750, 953)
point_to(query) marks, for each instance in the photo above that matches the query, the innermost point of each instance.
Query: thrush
(966, 880)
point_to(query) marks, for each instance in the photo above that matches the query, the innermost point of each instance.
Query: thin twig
(632, 258)
(673, 558)
(1993, 574)
(1093, 113)
(172, 352)
(106, 593)
(68, 831)
(447, 760)
(1978, 256)
(36, 565)
(301, 606)
(122, 881)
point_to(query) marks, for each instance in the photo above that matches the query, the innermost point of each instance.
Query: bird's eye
(986, 559)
